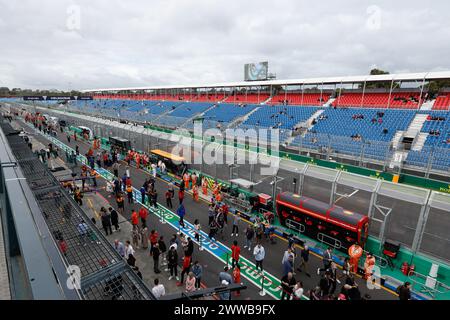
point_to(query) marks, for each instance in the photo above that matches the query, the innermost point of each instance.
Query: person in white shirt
(298, 290)
(128, 250)
(154, 170)
(259, 255)
(158, 290)
(286, 255)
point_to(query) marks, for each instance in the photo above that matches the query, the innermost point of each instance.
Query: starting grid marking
(272, 285)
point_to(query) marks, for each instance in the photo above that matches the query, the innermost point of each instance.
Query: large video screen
(256, 71)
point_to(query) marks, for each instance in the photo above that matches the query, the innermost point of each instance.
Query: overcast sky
(110, 43)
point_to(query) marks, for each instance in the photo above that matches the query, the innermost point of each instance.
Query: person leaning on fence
(287, 285)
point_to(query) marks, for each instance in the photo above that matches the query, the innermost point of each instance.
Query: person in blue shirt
(181, 211)
(198, 271)
(120, 247)
(83, 232)
(142, 194)
(288, 265)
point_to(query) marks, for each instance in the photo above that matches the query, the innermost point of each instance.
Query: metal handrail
(337, 243)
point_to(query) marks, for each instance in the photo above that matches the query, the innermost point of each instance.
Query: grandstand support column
(334, 187)
(386, 158)
(301, 179)
(421, 92)
(423, 217)
(321, 93)
(303, 90)
(385, 212)
(361, 158)
(390, 94)
(285, 93)
(259, 91)
(373, 199)
(329, 148)
(363, 93)
(430, 163)
(300, 144)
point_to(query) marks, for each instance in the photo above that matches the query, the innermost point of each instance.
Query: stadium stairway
(314, 116)
(396, 141)
(198, 115)
(428, 105)
(240, 120)
(419, 142)
(329, 102)
(267, 100)
(416, 125)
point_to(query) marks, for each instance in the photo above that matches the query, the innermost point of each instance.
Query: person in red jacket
(237, 278)
(143, 214)
(134, 219)
(235, 253)
(186, 269)
(180, 196)
(154, 236)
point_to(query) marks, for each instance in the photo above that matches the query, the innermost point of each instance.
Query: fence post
(200, 248)
(262, 292)
(161, 212)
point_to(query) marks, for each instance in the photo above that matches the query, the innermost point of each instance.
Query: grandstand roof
(307, 81)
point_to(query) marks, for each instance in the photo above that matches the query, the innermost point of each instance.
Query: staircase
(240, 120)
(329, 102)
(397, 140)
(308, 123)
(196, 116)
(420, 141)
(416, 125)
(266, 101)
(428, 105)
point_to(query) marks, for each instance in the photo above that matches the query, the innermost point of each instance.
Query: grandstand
(362, 124)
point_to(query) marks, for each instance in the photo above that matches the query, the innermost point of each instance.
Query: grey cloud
(137, 43)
